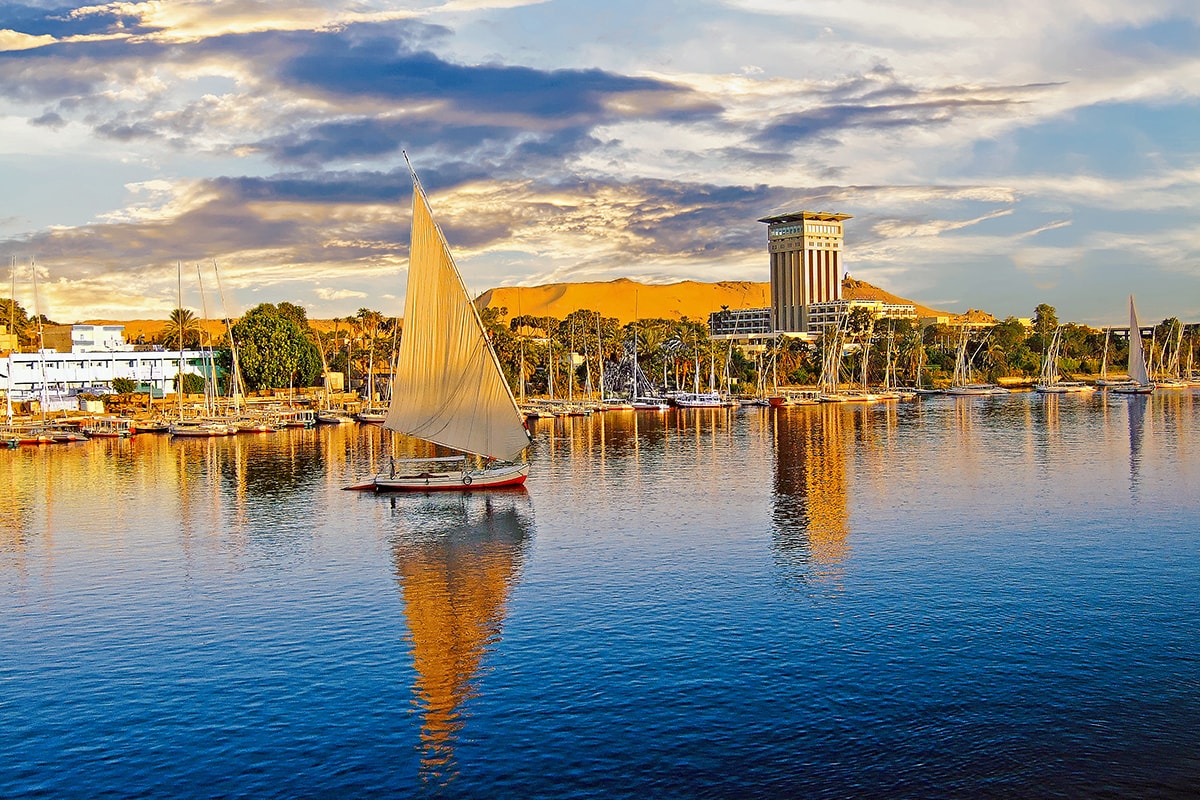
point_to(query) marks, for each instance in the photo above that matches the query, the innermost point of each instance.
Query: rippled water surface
(946, 598)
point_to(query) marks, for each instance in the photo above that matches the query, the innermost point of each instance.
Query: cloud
(338, 294)
(13, 40)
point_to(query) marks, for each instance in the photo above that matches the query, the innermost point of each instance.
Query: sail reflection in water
(456, 557)
(810, 520)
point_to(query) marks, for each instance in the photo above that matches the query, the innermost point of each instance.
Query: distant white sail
(1137, 357)
(449, 388)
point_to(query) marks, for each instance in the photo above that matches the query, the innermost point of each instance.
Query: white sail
(449, 388)
(1137, 358)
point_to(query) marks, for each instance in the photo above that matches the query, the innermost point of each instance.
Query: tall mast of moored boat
(237, 391)
(179, 324)
(37, 310)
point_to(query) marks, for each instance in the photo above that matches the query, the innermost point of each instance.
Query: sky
(992, 156)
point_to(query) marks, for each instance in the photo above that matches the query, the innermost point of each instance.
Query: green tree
(1045, 320)
(13, 316)
(182, 322)
(192, 383)
(274, 352)
(124, 386)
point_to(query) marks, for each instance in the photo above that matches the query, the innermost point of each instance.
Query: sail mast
(1137, 356)
(179, 322)
(450, 388)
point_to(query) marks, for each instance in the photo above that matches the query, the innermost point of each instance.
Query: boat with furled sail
(449, 389)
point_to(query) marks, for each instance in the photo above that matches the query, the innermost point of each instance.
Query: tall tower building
(806, 265)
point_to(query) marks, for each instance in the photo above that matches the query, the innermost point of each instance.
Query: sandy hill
(690, 299)
(861, 290)
(626, 299)
(620, 298)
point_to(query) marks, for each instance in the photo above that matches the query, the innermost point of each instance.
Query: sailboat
(1104, 380)
(449, 389)
(1139, 377)
(960, 381)
(1051, 382)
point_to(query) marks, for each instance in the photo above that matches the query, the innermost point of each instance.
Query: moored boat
(1139, 376)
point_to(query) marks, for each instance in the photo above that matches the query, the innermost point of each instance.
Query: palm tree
(182, 329)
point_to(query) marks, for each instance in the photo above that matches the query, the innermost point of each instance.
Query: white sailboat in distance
(449, 389)
(1140, 379)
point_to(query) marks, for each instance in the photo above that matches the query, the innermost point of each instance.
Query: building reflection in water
(810, 520)
(456, 557)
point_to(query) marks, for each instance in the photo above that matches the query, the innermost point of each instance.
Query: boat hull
(449, 480)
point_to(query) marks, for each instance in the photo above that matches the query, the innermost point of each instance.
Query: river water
(963, 597)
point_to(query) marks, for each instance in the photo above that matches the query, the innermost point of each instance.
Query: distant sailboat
(1104, 380)
(449, 389)
(1051, 381)
(1141, 383)
(960, 382)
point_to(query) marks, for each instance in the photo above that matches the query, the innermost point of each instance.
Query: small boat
(108, 427)
(616, 404)
(960, 385)
(969, 389)
(449, 389)
(156, 425)
(333, 417)
(296, 418)
(65, 435)
(371, 416)
(650, 404)
(256, 425)
(198, 428)
(795, 397)
(1053, 383)
(1140, 382)
(1104, 381)
(697, 400)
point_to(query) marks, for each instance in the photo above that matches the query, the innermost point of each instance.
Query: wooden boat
(697, 400)
(449, 388)
(108, 427)
(1140, 382)
(200, 428)
(1051, 381)
(296, 418)
(371, 416)
(156, 425)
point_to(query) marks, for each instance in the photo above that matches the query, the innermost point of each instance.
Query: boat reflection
(456, 558)
(810, 520)
(1137, 413)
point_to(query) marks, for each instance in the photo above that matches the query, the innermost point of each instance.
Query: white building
(99, 356)
(823, 315)
(98, 338)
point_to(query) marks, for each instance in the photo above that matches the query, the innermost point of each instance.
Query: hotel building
(806, 265)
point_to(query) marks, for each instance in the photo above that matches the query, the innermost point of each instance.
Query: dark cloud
(305, 219)
(126, 132)
(825, 120)
(57, 20)
(344, 65)
(497, 114)
(48, 120)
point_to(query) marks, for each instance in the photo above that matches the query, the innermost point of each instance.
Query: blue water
(946, 598)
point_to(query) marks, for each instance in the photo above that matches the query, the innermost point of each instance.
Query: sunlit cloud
(979, 149)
